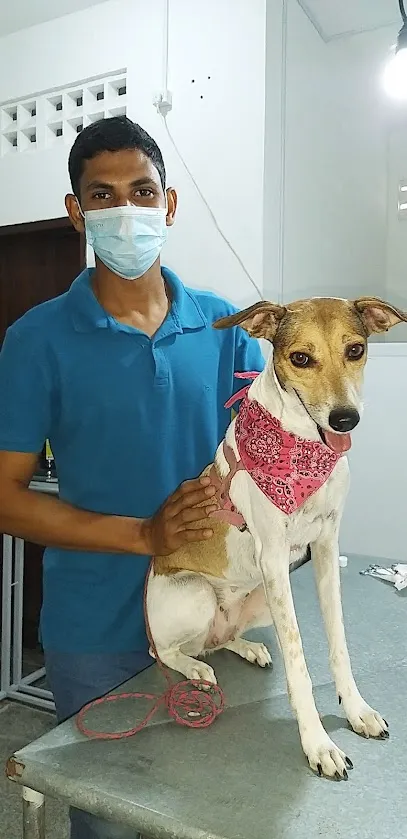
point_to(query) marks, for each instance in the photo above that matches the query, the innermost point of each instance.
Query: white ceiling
(19, 14)
(334, 18)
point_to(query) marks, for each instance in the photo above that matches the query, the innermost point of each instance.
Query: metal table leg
(33, 814)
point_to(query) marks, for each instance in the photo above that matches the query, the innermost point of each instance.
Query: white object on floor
(396, 574)
(343, 561)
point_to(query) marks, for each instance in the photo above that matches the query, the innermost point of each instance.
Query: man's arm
(48, 521)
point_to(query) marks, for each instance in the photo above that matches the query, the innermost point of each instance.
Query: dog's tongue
(339, 443)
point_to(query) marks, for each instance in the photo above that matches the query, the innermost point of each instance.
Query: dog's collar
(250, 376)
(227, 511)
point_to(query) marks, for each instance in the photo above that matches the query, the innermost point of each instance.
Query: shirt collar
(87, 313)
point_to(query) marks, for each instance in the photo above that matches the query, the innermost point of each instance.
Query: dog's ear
(377, 315)
(260, 321)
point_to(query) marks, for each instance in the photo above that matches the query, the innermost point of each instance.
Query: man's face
(114, 179)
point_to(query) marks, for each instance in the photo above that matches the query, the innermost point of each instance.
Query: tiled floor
(20, 724)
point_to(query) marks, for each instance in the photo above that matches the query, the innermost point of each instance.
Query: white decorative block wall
(57, 116)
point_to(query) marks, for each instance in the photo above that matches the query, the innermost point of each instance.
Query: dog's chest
(301, 528)
(304, 526)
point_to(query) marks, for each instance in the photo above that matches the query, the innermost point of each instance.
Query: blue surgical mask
(128, 239)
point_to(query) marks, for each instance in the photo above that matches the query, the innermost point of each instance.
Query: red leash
(186, 702)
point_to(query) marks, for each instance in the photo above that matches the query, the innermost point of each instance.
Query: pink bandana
(285, 467)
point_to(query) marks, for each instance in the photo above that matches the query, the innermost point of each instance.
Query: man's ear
(260, 321)
(74, 213)
(172, 203)
(377, 315)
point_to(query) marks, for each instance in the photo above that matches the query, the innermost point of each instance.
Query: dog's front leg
(323, 755)
(272, 555)
(325, 555)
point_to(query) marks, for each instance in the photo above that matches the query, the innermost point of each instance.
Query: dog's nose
(343, 419)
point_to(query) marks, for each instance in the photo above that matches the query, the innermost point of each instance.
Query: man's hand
(173, 524)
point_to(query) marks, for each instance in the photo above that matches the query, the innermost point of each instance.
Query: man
(126, 377)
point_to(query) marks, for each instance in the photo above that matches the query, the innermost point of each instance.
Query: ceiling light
(395, 74)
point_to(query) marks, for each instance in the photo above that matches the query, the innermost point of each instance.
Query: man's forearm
(48, 521)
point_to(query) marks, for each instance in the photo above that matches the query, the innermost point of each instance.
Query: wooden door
(37, 262)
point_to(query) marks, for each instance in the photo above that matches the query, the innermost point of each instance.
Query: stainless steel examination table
(246, 776)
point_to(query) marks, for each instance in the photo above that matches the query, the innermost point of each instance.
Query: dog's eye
(300, 359)
(355, 352)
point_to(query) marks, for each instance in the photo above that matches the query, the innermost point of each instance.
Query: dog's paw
(201, 672)
(365, 721)
(257, 653)
(325, 758)
(252, 651)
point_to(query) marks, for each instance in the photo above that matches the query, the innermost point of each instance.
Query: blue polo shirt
(129, 418)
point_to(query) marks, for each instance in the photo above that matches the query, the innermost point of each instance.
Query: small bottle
(50, 460)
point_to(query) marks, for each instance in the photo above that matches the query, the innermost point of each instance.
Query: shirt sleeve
(25, 393)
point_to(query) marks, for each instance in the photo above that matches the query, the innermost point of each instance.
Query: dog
(297, 415)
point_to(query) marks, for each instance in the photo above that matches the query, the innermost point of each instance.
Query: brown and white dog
(206, 595)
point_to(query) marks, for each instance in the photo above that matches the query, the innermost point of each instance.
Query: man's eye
(144, 193)
(101, 196)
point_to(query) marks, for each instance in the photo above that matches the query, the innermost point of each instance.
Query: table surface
(246, 776)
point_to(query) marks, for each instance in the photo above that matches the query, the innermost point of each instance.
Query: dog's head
(320, 348)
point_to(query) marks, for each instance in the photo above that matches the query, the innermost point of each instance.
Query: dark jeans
(76, 679)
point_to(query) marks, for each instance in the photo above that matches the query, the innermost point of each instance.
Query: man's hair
(113, 134)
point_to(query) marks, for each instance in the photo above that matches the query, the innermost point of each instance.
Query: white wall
(397, 225)
(374, 523)
(334, 237)
(335, 164)
(221, 136)
(274, 146)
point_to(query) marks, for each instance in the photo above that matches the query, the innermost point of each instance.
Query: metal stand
(33, 814)
(13, 685)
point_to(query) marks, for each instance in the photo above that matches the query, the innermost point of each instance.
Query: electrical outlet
(163, 102)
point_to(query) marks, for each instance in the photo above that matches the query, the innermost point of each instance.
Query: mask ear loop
(88, 243)
(80, 208)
